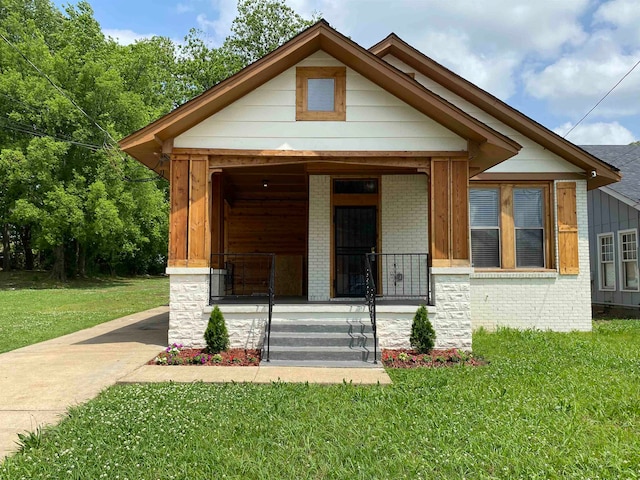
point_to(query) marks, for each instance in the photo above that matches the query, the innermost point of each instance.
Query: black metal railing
(242, 275)
(395, 276)
(402, 275)
(370, 297)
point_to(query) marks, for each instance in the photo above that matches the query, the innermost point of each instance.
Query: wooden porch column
(189, 232)
(449, 212)
(217, 218)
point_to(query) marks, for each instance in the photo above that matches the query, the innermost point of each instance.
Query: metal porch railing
(402, 275)
(244, 275)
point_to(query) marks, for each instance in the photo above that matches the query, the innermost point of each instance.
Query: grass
(33, 308)
(548, 405)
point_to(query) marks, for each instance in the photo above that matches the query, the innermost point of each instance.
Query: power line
(600, 101)
(37, 133)
(63, 93)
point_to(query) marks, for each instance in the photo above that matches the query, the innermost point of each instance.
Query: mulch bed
(235, 357)
(437, 358)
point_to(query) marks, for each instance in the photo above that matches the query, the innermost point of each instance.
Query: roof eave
(605, 174)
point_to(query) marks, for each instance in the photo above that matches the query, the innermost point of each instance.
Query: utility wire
(601, 100)
(114, 146)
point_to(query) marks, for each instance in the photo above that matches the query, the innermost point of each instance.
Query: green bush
(216, 334)
(423, 336)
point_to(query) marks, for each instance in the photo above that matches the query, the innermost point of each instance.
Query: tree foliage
(69, 200)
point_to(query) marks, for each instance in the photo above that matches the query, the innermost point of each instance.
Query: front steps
(330, 342)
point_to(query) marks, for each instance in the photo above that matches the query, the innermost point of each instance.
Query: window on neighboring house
(321, 93)
(484, 219)
(510, 226)
(628, 243)
(606, 259)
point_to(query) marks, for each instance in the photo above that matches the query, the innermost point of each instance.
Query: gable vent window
(321, 93)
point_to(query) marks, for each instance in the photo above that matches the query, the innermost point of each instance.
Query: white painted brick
(538, 300)
(319, 237)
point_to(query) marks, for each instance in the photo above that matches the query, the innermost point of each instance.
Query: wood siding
(179, 212)
(271, 226)
(607, 214)
(265, 119)
(532, 157)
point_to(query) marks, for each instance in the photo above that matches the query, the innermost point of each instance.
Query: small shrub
(403, 357)
(216, 334)
(423, 336)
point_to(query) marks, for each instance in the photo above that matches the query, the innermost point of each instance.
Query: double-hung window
(510, 226)
(484, 219)
(606, 262)
(628, 242)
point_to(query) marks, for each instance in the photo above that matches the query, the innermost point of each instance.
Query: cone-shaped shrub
(216, 334)
(423, 336)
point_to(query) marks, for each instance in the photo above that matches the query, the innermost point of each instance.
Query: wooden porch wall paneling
(460, 208)
(179, 211)
(567, 228)
(440, 209)
(270, 226)
(199, 231)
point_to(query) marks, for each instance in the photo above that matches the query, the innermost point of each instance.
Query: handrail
(238, 275)
(370, 296)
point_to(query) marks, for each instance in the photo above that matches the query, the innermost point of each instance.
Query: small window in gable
(321, 93)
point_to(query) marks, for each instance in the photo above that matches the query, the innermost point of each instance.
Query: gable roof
(490, 147)
(394, 45)
(627, 159)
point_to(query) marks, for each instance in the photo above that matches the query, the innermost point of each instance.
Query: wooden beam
(460, 209)
(221, 152)
(217, 218)
(527, 177)
(440, 210)
(389, 162)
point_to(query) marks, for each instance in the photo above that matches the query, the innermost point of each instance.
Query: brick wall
(319, 237)
(543, 300)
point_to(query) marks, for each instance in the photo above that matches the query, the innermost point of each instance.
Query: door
(355, 235)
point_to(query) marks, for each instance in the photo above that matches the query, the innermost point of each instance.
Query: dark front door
(355, 235)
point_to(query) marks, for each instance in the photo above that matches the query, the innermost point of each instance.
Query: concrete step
(323, 363)
(320, 326)
(309, 353)
(320, 339)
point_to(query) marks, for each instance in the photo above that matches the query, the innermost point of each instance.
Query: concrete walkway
(40, 382)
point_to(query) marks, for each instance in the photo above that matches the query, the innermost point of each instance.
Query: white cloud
(126, 37)
(575, 82)
(623, 16)
(598, 133)
(184, 8)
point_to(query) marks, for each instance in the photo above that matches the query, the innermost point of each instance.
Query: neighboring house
(614, 215)
(322, 152)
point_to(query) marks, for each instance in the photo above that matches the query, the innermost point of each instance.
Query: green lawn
(33, 308)
(548, 405)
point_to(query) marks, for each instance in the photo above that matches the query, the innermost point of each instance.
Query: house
(322, 152)
(614, 216)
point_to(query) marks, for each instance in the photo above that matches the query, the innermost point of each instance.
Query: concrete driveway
(38, 383)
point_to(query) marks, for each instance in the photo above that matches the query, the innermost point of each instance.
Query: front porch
(291, 235)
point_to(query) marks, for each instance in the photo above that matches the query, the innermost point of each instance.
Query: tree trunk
(25, 238)
(81, 261)
(58, 273)
(6, 248)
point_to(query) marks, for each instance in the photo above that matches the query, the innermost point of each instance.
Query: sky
(551, 59)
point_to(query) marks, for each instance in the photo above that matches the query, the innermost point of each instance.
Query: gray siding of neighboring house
(608, 214)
